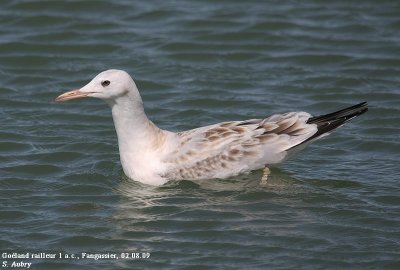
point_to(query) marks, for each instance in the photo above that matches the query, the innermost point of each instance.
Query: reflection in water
(142, 205)
(216, 212)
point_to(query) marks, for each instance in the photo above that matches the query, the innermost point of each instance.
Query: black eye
(105, 83)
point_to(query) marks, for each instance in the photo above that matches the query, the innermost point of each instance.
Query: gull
(154, 156)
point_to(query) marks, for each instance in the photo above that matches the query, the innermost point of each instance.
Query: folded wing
(230, 148)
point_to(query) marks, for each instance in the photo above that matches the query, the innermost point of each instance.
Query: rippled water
(334, 206)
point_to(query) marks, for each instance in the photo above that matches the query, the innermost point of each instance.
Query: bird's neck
(134, 130)
(139, 140)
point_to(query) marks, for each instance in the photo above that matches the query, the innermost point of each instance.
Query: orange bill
(71, 95)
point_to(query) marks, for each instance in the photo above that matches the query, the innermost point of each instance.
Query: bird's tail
(328, 122)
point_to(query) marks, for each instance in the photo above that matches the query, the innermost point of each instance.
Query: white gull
(154, 156)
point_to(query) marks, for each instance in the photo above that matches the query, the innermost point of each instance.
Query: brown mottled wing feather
(230, 148)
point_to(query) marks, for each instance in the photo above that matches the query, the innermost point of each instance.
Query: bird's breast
(142, 166)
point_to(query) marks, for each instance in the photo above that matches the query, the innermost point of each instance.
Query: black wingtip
(326, 123)
(345, 114)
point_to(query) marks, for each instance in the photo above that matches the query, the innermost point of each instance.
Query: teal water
(334, 206)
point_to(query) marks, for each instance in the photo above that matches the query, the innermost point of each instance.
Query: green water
(62, 190)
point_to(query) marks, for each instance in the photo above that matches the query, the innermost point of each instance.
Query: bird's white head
(109, 85)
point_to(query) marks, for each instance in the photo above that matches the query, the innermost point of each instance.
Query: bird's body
(154, 156)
